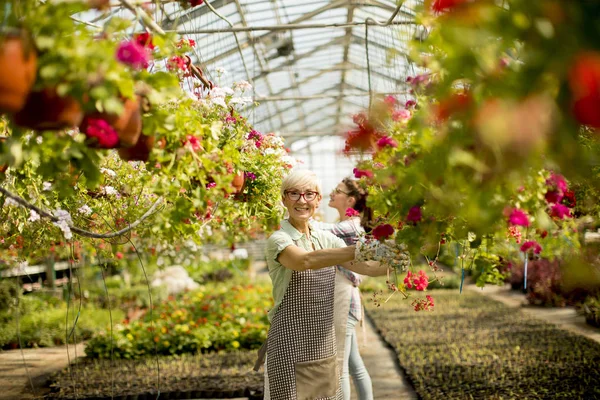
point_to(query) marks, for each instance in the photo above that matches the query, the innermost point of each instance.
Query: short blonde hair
(298, 178)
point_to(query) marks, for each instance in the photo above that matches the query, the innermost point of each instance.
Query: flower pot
(140, 151)
(46, 110)
(18, 69)
(238, 182)
(132, 129)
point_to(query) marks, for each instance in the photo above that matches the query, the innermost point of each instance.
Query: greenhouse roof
(311, 63)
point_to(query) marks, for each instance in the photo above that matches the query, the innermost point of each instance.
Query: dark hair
(360, 195)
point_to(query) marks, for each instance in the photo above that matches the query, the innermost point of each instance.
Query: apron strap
(262, 352)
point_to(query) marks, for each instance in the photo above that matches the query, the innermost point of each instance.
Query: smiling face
(301, 210)
(340, 200)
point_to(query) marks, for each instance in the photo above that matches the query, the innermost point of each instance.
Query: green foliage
(215, 317)
(44, 324)
(474, 347)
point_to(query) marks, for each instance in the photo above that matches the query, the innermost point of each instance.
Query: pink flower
(519, 218)
(408, 280)
(351, 212)
(421, 281)
(560, 211)
(102, 132)
(359, 173)
(513, 231)
(410, 103)
(250, 175)
(414, 215)
(133, 54)
(557, 182)
(383, 231)
(531, 245)
(390, 100)
(210, 185)
(386, 141)
(401, 115)
(119, 255)
(425, 304)
(193, 142)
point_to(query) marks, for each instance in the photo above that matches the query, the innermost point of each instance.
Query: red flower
(363, 138)
(408, 280)
(195, 3)
(457, 102)
(144, 39)
(414, 215)
(531, 245)
(569, 199)
(445, 5)
(584, 81)
(553, 196)
(383, 231)
(101, 132)
(518, 217)
(193, 142)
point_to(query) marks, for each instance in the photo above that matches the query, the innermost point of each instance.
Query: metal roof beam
(266, 36)
(169, 24)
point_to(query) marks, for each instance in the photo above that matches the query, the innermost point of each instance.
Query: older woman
(301, 345)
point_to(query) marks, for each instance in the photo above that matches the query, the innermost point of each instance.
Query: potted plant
(18, 58)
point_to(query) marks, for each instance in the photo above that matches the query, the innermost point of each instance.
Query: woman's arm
(298, 259)
(369, 268)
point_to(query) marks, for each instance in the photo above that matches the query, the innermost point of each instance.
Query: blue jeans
(353, 365)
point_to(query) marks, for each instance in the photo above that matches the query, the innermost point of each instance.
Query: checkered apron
(302, 330)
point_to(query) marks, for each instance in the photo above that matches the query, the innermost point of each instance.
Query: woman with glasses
(301, 360)
(348, 308)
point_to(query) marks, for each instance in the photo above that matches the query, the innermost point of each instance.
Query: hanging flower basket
(18, 64)
(140, 151)
(46, 110)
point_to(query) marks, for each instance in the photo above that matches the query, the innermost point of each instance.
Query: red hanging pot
(18, 69)
(46, 110)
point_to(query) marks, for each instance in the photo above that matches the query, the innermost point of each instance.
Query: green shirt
(284, 237)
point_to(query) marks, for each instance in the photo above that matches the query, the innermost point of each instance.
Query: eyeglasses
(295, 196)
(338, 191)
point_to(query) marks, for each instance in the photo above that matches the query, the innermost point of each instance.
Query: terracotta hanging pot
(46, 110)
(18, 69)
(140, 151)
(3, 167)
(238, 182)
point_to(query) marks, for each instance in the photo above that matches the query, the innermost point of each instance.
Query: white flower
(221, 71)
(64, 222)
(220, 101)
(109, 190)
(85, 210)
(108, 172)
(10, 202)
(240, 100)
(242, 85)
(47, 186)
(289, 160)
(220, 92)
(39, 139)
(33, 216)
